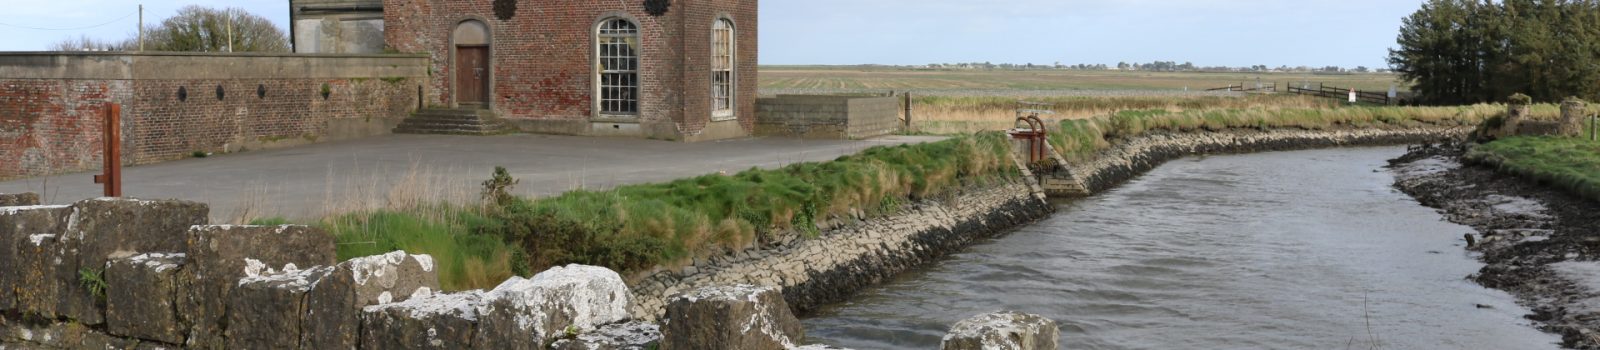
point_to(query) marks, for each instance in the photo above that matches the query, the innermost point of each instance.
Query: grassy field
(1572, 164)
(967, 101)
(978, 82)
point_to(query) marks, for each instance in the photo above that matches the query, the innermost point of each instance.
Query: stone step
(453, 122)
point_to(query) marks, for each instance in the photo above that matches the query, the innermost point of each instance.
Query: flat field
(798, 79)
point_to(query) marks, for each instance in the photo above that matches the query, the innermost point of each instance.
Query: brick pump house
(663, 69)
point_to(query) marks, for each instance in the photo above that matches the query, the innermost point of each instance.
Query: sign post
(1352, 95)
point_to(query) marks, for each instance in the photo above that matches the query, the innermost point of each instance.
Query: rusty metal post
(112, 145)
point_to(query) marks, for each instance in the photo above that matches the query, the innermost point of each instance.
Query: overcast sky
(1207, 32)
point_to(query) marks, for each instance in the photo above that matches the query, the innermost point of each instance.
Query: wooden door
(472, 75)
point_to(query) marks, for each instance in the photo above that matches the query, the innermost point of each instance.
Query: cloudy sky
(1207, 32)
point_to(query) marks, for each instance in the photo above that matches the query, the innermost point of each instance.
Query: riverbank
(1540, 243)
(1129, 158)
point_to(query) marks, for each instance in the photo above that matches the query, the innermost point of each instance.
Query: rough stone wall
(543, 61)
(1129, 158)
(856, 254)
(51, 114)
(827, 117)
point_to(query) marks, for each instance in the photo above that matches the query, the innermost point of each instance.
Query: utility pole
(141, 27)
(230, 28)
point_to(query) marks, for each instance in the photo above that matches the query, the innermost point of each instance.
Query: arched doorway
(472, 70)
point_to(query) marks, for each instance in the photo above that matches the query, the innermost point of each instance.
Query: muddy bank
(857, 253)
(1131, 157)
(1539, 244)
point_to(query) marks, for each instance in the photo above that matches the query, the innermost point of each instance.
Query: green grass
(1082, 139)
(465, 260)
(1572, 164)
(634, 228)
(641, 227)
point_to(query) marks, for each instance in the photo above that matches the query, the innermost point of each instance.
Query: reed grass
(1080, 139)
(968, 114)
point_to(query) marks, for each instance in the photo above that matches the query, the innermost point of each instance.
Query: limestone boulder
(617, 336)
(730, 317)
(424, 321)
(18, 199)
(333, 314)
(17, 226)
(533, 313)
(218, 259)
(1003, 331)
(99, 230)
(268, 308)
(141, 297)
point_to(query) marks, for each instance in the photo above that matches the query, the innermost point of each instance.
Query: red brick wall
(161, 127)
(543, 56)
(52, 124)
(47, 125)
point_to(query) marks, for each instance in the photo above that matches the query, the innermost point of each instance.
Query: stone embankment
(1537, 243)
(857, 252)
(133, 274)
(1128, 158)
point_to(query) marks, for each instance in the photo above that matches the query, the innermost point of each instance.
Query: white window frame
(616, 52)
(724, 86)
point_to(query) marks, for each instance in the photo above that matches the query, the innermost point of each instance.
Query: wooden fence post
(908, 112)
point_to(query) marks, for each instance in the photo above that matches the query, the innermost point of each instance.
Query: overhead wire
(75, 28)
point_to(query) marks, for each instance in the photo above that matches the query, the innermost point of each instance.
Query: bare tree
(86, 43)
(203, 29)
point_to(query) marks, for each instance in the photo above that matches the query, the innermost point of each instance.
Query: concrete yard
(310, 181)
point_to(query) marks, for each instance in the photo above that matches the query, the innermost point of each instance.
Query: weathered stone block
(218, 259)
(618, 336)
(333, 315)
(267, 309)
(19, 199)
(425, 321)
(17, 225)
(1003, 330)
(43, 276)
(141, 297)
(730, 317)
(105, 228)
(60, 336)
(532, 313)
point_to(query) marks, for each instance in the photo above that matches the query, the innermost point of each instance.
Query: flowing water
(1286, 250)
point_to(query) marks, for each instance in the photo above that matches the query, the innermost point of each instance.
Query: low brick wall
(52, 104)
(827, 117)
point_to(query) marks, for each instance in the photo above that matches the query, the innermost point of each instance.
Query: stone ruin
(1518, 122)
(133, 274)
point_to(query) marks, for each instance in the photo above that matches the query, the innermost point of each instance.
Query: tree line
(1471, 51)
(194, 29)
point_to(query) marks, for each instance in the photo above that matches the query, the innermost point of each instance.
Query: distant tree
(1467, 51)
(203, 29)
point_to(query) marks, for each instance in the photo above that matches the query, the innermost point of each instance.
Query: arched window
(618, 53)
(722, 70)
